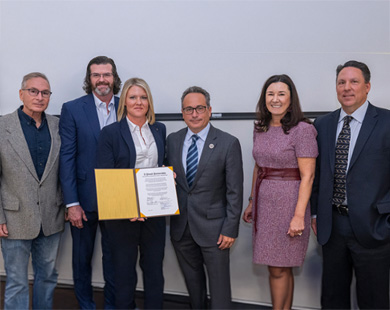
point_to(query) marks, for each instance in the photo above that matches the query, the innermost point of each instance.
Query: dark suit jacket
(213, 204)
(79, 131)
(116, 147)
(368, 178)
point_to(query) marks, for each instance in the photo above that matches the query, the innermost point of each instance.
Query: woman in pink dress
(285, 151)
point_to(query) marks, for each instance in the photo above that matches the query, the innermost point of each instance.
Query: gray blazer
(27, 203)
(213, 204)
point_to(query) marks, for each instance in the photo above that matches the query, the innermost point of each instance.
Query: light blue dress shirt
(199, 144)
(355, 125)
(101, 109)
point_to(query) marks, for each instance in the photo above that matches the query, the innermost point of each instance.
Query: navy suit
(367, 226)
(116, 150)
(79, 130)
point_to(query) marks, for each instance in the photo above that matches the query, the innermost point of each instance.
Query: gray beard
(105, 93)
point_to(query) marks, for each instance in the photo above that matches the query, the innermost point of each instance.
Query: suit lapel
(177, 158)
(369, 122)
(54, 149)
(116, 102)
(332, 131)
(18, 142)
(159, 143)
(208, 149)
(125, 132)
(91, 115)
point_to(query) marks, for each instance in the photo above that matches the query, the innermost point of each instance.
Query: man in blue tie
(351, 195)
(208, 165)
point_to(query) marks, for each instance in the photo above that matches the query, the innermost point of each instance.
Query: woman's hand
(297, 225)
(247, 217)
(141, 219)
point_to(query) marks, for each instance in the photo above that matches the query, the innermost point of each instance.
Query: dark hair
(294, 113)
(199, 90)
(356, 64)
(101, 60)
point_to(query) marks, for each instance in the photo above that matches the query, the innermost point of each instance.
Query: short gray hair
(199, 90)
(33, 75)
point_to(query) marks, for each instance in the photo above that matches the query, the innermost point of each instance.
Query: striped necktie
(341, 162)
(192, 160)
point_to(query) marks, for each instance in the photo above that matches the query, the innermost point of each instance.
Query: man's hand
(314, 225)
(225, 242)
(76, 216)
(3, 231)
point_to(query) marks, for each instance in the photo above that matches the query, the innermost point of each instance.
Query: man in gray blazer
(31, 209)
(208, 165)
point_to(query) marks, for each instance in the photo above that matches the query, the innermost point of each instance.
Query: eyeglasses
(199, 109)
(104, 75)
(35, 92)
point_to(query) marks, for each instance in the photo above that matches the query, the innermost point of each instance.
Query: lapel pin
(211, 146)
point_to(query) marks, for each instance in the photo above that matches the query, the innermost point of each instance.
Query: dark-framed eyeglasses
(35, 92)
(199, 109)
(106, 75)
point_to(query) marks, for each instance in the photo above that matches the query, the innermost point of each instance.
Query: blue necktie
(341, 162)
(192, 160)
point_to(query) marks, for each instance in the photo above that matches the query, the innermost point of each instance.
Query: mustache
(102, 83)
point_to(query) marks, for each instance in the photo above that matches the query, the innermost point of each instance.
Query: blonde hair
(122, 111)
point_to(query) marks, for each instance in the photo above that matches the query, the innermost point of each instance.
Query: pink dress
(276, 200)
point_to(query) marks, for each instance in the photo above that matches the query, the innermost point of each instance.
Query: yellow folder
(116, 194)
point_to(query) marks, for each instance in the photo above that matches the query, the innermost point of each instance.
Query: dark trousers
(342, 255)
(125, 239)
(192, 260)
(83, 248)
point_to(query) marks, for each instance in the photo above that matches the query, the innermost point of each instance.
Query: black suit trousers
(343, 255)
(126, 238)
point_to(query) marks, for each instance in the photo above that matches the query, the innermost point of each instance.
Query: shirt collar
(98, 102)
(133, 127)
(201, 134)
(358, 115)
(27, 118)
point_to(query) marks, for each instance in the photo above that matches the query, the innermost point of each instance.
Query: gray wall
(228, 47)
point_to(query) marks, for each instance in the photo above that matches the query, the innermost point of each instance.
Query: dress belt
(265, 173)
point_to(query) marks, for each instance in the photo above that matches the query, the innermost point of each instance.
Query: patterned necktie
(192, 160)
(341, 162)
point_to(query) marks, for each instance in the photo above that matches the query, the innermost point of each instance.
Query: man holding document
(208, 164)
(135, 141)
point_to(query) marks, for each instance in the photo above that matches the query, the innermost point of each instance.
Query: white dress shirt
(145, 145)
